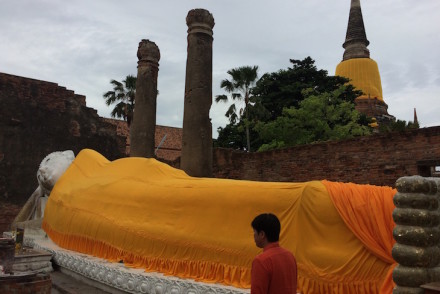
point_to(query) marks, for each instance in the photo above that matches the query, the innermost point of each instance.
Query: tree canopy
(297, 105)
(319, 117)
(284, 88)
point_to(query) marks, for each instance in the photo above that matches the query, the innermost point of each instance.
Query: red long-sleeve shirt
(274, 271)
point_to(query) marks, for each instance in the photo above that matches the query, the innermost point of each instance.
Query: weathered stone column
(144, 117)
(417, 234)
(196, 159)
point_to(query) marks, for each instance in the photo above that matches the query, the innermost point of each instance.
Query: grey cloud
(83, 44)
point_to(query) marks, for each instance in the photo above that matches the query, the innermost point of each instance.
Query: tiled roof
(171, 147)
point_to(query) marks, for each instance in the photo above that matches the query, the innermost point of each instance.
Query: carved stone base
(116, 278)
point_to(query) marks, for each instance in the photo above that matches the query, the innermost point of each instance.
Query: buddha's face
(52, 167)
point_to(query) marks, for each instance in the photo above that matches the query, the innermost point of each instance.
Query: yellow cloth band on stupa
(364, 75)
(156, 217)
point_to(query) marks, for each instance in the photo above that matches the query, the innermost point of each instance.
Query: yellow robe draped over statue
(153, 216)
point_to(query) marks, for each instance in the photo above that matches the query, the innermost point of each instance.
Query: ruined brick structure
(168, 141)
(39, 117)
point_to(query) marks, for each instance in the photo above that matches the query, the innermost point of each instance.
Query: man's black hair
(269, 224)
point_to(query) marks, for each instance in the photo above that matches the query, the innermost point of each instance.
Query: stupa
(361, 70)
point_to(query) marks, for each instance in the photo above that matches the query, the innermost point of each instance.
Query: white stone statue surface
(50, 170)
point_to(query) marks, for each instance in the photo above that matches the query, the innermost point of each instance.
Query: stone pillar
(196, 159)
(417, 234)
(144, 118)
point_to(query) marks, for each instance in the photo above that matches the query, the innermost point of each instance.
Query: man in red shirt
(274, 270)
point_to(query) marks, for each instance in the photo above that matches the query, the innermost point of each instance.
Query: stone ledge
(116, 278)
(33, 261)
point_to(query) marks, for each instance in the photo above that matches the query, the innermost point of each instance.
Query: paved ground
(64, 284)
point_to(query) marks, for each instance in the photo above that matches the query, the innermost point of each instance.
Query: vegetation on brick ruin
(398, 126)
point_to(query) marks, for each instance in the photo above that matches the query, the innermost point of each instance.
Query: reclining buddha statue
(149, 215)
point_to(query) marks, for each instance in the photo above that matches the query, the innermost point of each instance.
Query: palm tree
(240, 86)
(123, 94)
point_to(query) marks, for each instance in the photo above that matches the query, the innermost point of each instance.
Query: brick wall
(27, 284)
(378, 159)
(37, 118)
(8, 212)
(168, 139)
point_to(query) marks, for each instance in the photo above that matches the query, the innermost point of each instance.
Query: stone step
(28, 260)
(65, 284)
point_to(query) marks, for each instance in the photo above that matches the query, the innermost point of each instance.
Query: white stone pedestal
(117, 278)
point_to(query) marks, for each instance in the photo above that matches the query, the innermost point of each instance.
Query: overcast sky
(83, 44)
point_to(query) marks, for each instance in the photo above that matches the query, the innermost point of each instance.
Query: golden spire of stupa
(356, 42)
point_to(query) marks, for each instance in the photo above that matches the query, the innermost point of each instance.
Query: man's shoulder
(278, 253)
(273, 251)
(284, 251)
(275, 257)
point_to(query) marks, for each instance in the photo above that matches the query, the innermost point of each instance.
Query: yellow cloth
(156, 217)
(364, 75)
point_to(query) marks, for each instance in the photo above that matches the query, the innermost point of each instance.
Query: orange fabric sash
(367, 211)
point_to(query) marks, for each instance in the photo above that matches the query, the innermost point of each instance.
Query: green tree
(239, 86)
(278, 90)
(319, 117)
(123, 94)
(231, 136)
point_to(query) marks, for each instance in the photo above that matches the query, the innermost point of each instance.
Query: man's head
(266, 229)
